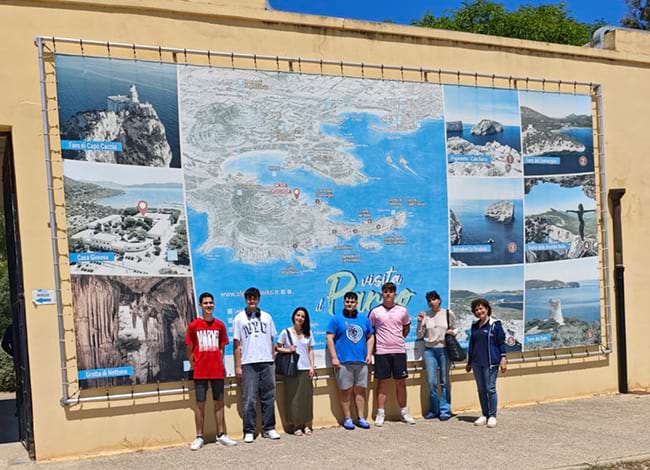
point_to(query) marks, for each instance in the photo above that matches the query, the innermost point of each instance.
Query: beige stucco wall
(245, 26)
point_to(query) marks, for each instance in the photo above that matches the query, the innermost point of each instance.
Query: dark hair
(252, 292)
(432, 295)
(389, 286)
(305, 326)
(484, 303)
(351, 295)
(205, 295)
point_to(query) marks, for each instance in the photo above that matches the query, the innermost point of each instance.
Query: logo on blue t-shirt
(353, 332)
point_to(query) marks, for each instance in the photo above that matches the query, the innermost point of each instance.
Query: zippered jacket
(496, 342)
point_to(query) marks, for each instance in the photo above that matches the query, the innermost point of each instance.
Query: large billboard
(182, 179)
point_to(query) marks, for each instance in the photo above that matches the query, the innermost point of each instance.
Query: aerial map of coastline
(312, 184)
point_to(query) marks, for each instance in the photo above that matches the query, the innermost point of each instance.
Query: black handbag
(455, 352)
(287, 363)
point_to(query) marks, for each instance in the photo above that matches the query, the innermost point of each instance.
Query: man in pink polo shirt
(391, 323)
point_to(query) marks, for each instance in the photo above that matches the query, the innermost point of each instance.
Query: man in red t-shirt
(205, 342)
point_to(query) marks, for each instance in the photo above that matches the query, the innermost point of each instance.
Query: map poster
(308, 187)
(185, 179)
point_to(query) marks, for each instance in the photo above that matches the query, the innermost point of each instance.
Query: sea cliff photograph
(486, 221)
(483, 134)
(503, 287)
(125, 220)
(561, 218)
(118, 111)
(557, 133)
(562, 304)
(131, 330)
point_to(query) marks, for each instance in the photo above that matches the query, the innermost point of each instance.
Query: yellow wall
(241, 26)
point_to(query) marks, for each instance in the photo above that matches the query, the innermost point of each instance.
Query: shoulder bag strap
(289, 336)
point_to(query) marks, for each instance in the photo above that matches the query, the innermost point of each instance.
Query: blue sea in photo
(569, 161)
(478, 229)
(155, 197)
(581, 302)
(422, 263)
(510, 136)
(84, 83)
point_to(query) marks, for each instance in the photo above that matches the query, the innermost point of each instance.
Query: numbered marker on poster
(296, 193)
(142, 207)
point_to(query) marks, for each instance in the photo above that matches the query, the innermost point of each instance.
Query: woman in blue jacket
(486, 354)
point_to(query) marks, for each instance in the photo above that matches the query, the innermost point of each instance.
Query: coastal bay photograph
(125, 220)
(143, 326)
(486, 221)
(118, 111)
(561, 218)
(483, 133)
(503, 287)
(562, 304)
(557, 133)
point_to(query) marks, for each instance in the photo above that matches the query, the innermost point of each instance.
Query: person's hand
(451, 332)
(468, 368)
(421, 316)
(503, 365)
(238, 372)
(336, 363)
(369, 359)
(292, 348)
(311, 372)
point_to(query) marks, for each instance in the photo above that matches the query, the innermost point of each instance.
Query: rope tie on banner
(475, 78)
(108, 48)
(559, 86)
(321, 66)
(363, 74)
(457, 77)
(575, 87)
(185, 55)
(510, 81)
(277, 63)
(134, 54)
(341, 68)
(526, 83)
(232, 60)
(54, 44)
(299, 65)
(543, 85)
(160, 54)
(493, 77)
(81, 46)
(401, 72)
(439, 76)
(209, 59)
(382, 71)
(421, 75)
(255, 61)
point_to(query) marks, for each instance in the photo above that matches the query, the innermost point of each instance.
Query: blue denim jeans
(486, 383)
(258, 378)
(435, 359)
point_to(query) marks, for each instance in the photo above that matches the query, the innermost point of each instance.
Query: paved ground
(588, 433)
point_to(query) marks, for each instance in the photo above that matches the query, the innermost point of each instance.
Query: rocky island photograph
(503, 287)
(131, 330)
(118, 111)
(483, 137)
(557, 134)
(125, 221)
(562, 304)
(486, 222)
(561, 218)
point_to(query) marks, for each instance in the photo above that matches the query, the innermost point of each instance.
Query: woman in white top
(432, 327)
(298, 391)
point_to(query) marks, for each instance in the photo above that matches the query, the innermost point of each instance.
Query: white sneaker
(224, 440)
(408, 419)
(379, 420)
(271, 434)
(481, 421)
(197, 443)
(492, 422)
(249, 437)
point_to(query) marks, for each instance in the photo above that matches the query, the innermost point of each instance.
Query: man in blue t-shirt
(350, 342)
